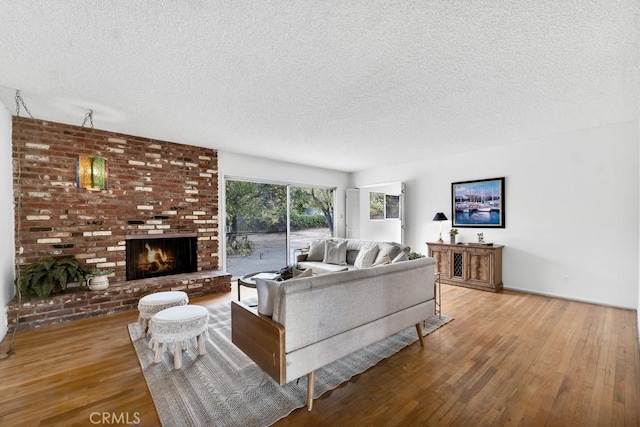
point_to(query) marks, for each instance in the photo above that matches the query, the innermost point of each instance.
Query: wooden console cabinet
(470, 265)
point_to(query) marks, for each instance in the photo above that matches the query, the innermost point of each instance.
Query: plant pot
(99, 283)
(452, 239)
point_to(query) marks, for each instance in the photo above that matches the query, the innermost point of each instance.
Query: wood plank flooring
(507, 359)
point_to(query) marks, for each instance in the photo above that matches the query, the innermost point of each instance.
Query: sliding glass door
(256, 237)
(268, 224)
(311, 217)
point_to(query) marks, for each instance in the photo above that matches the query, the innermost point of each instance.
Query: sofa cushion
(366, 257)
(316, 250)
(353, 248)
(319, 267)
(357, 244)
(389, 249)
(297, 273)
(402, 256)
(266, 291)
(382, 261)
(335, 253)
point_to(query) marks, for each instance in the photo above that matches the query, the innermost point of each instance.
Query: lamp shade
(440, 217)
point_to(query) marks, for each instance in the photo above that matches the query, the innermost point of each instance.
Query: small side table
(153, 303)
(176, 326)
(249, 281)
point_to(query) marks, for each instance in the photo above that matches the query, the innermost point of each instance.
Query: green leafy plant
(453, 231)
(302, 221)
(97, 272)
(41, 277)
(239, 246)
(415, 255)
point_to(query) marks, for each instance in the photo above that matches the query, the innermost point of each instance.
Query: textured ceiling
(346, 85)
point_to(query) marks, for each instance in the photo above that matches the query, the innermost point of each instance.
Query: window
(267, 224)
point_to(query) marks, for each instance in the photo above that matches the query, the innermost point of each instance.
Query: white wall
(7, 260)
(572, 209)
(385, 230)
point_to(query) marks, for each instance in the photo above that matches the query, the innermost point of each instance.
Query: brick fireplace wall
(153, 188)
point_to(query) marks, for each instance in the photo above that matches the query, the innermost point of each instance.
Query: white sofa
(317, 320)
(321, 261)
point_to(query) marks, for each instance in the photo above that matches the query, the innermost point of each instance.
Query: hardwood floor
(507, 359)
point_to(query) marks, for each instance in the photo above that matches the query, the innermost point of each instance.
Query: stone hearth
(82, 303)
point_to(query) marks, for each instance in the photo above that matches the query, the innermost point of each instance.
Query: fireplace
(154, 257)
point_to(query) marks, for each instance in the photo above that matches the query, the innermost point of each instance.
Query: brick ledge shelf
(83, 303)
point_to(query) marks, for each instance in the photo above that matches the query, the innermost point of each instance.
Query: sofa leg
(419, 330)
(310, 379)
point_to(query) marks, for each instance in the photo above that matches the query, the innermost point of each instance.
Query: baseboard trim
(4, 331)
(550, 295)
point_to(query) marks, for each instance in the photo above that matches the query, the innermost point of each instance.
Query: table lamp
(440, 217)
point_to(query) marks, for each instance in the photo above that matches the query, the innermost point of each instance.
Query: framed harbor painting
(478, 204)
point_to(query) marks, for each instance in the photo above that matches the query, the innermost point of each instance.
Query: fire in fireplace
(153, 257)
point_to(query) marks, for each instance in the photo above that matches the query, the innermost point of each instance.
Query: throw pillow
(266, 292)
(335, 253)
(383, 261)
(389, 249)
(402, 256)
(366, 257)
(316, 250)
(297, 274)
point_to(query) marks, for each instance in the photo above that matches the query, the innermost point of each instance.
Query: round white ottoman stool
(178, 326)
(153, 303)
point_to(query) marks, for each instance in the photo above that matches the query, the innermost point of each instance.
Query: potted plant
(50, 275)
(452, 235)
(98, 279)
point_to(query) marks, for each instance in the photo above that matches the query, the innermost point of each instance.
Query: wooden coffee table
(249, 281)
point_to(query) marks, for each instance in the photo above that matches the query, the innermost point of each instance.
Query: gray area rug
(225, 388)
